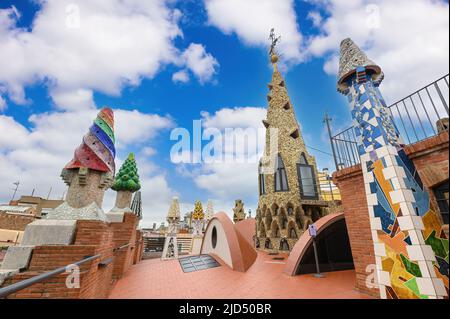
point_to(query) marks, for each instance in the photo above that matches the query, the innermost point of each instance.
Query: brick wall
(92, 238)
(15, 222)
(431, 159)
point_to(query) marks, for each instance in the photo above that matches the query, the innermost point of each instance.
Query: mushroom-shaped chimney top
(352, 57)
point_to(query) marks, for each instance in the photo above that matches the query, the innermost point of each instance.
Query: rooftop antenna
(49, 192)
(32, 193)
(15, 190)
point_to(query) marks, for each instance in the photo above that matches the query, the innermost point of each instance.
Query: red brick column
(351, 185)
(124, 233)
(139, 247)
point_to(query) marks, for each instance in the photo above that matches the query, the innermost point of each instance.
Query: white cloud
(181, 77)
(252, 20)
(408, 39)
(36, 156)
(202, 64)
(228, 181)
(77, 47)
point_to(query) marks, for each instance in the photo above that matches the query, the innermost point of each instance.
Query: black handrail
(121, 247)
(6, 291)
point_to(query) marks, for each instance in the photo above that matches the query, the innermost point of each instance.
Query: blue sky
(125, 54)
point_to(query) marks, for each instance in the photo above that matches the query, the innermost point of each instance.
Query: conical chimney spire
(351, 58)
(97, 151)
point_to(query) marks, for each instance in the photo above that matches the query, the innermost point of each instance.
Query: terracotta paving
(155, 279)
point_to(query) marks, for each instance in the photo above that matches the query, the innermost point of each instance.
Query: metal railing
(11, 289)
(416, 117)
(6, 291)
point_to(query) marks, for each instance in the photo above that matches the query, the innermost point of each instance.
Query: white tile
(365, 157)
(380, 249)
(375, 237)
(415, 252)
(389, 172)
(382, 152)
(369, 178)
(407, 209)
(405, 222)
(375, 223)
(439, 287)
(418, 222)
(428, 253)
(392, 150)
(384, 278)
(397, 196)
(383, 292)
(427, 269)
(379, 262)
(426, 286)
(372, 200)
(409, 195)
(416, 237)
(371, 212)
(367, 189)
(409, 222)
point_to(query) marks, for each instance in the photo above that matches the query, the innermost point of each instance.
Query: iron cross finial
(274, 41)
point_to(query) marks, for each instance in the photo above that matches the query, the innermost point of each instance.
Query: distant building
(329, 191)
(42, 206)
(15, 216)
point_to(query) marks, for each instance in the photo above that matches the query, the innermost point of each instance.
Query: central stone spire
(289, 199)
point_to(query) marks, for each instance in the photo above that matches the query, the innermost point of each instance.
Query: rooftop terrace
(156, 279)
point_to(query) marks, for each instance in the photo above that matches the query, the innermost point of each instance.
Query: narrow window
(306, 179)
(262, 181)
(281, 181)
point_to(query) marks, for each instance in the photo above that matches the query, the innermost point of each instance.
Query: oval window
(214, 237)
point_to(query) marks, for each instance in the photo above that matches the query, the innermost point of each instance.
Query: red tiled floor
(156, 279)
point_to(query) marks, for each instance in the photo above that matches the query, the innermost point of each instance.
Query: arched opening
(290, 209)
(316, 214)
(292, 233)
(333, 248)
(269, 219)
(263, 212)
(275, 209)
(284, 245)
(262, 230)
(282, 219)
(268, 244)
(275, 230)
(307, 218)
(298, 218)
